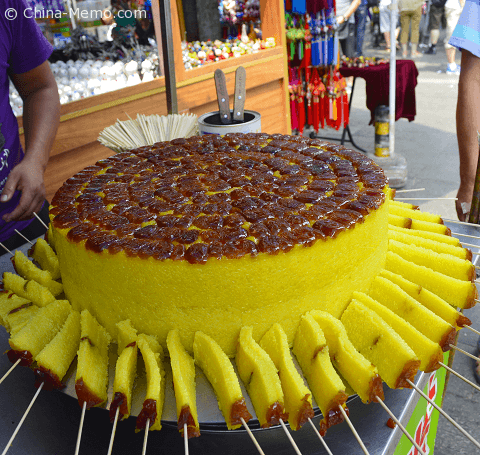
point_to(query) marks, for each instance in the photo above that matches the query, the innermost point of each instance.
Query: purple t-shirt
(22, 48)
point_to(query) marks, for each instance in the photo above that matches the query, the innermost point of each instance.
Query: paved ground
(430, 147)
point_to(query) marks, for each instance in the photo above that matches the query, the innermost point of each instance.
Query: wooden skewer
(410, 191)
(21, 235)
(458, 375)
(112, 437)
(41, 221)
(441, 411)
(10, 370)
(464, 352)
(470, 245)
(426, 199)
(80, 428)
(185, 438)
(345, 416)
(402, 428)
(22, 419)
(460, 222)
(6, 249)
(145, 439)
(260, 451)
(470, 328)
(466, 235)
(320, 437)
(295, 447)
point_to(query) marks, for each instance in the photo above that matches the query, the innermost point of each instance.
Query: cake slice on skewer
(457, 293)
(30, 290)
(28, 270)
(92, 368)
(183, 371)
(420, 317)
(259, 374)
(311, 350)
(442, 238)
(125, 371)
(10, 304)
(429, 352)
(43, 253)
(298, 398)
(56, 357)
(376, 341)
(38, 332)
(152, 409)
(358, 372)
(219, 371)
(429, 300)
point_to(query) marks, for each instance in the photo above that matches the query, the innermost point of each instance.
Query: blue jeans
(360, 21)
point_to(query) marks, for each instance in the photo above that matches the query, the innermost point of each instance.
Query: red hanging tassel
(301, 109)
(346, 110)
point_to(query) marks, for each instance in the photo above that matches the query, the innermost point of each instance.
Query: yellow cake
(213, 234)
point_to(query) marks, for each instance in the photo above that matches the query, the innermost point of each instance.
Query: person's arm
(351, 10)
(41, 115)
(468, 123)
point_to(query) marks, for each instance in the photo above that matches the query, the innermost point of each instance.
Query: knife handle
(222, 97)
(240, 93)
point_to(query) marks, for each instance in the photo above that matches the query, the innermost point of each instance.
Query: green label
(424, 421)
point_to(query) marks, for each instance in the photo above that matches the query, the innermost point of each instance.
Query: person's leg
(452, 16)
(434, 27)
(405, 26)
(385, 24)
(416, 16)
(360, 22)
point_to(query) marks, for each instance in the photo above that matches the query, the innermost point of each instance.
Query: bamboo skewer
(320, 437)
(464, 352)
(23, 237)
(80, 428)
(6, 249)
(402, 428)
(345, 416)
(466, 235)
(444, 414)
(260, 451)
(426, 199)
(185, 438)
(458, 375)
(464, 223)
(10, 370)
(472, 329)
(471, 245)
(145, 439)
(22, 419)
(294, 445)
(41, 221)
(410, 191)
(112, 437)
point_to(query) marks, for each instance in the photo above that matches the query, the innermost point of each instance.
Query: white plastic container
(210, 124)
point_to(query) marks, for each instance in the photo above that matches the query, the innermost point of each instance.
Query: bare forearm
(41, 115)
(468, 118)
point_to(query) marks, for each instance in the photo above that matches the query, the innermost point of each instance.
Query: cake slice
(429, 300)
(359, 373)
(399, 221)
(429, 353)
(442, 238)
(183, 371)
(380, 344)
(38, 332)
(18, 318)
(259, 374)
(457, 293)
(311, 350)
(452, 266)
(28, 270)
(125, 371)
(92, 368)
(30, 290)
(298, 398)
(10, 302)
(434, 245)
(430, 227)
(152, 408)
(396, 208)
(43, 253)
(426, 322)
(219, 371)
(402, 204)
(56, 357)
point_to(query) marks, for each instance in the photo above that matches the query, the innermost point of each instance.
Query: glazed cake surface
(214, 233)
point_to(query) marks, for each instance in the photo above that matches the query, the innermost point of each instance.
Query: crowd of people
(416, 19)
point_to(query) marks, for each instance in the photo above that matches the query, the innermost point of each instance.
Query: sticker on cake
(423, 427)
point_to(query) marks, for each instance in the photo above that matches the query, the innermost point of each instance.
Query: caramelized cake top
(211, 196)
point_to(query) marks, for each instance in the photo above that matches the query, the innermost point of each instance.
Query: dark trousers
(360, 22)
(348, 44)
